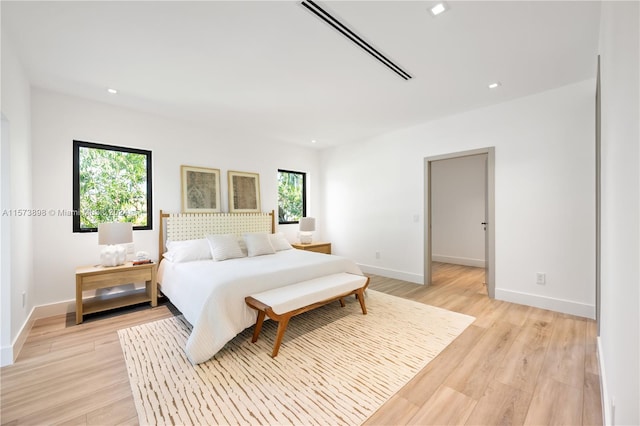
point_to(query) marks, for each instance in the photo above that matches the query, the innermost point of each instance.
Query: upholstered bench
(280, 304)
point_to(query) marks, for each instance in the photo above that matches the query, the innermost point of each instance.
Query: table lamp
(307, 226)
(113, 235)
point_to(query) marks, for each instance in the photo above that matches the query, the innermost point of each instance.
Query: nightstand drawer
(112, 279)
(320, 247)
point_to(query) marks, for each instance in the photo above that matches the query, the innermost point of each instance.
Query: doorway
(488, 221)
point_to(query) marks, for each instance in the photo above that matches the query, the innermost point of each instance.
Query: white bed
(210, 294)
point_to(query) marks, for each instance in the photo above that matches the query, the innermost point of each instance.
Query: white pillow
(258, 244)
(187, 251)
(279, 242)
(224, 247)
(242, 245)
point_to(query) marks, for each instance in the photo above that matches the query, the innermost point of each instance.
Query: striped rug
(335, 366)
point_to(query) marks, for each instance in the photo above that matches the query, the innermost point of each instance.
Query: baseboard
(542, 302)
(392, 273)
(18, 343)
(478, 263)
(8, 354)
(604, 394)
(53, 309)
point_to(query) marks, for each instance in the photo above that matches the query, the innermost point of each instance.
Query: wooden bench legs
(360, 297)
(283, 322)
(258, 329)
(282, 327)
(283, 319)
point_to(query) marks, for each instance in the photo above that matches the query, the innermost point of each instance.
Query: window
(292, 196)
(110, 184)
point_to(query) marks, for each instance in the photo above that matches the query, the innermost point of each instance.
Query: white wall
(544, 174)
(620, 276)
(457, 210)
(16, 232)
(6, 354)
(59, 119)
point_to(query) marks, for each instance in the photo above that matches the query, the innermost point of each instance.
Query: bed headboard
(190, 226)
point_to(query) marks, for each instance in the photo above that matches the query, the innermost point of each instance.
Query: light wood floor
(513, 365)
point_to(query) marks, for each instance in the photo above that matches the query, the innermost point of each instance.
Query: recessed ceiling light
(438, 9)
(112, 91)
(495, 85)
(313, 141)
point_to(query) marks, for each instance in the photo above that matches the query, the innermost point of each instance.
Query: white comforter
(211, 294)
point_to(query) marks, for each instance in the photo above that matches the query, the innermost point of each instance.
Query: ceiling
(272, 70)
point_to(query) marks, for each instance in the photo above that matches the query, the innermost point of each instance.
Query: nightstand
(95, 277)
(318, 247)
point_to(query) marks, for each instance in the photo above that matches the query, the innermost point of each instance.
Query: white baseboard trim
(392, 273)
(8, 354)
(53, 309)
(18, 342)
(478, 263)
(606, 407)
(542, 302)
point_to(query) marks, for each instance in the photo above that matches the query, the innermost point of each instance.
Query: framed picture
(244, 192)
(200, 189)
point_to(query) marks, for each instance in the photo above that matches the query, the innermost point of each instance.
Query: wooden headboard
(190, 226)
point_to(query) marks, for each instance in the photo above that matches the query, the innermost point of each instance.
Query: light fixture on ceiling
(112, 91)
(495, 85)
(438, 9)
(314, 8)
(313, 141)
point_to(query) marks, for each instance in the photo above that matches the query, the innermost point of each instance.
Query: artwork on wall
(200, 189)
(244, 192)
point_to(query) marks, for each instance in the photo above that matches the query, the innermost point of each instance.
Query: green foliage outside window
(291, 196)
(113, 185)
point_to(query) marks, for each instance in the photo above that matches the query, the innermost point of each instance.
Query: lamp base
(306, 238)
(113, 255)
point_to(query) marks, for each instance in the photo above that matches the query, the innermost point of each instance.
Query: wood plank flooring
(513, 365)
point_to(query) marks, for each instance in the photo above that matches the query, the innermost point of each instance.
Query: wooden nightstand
(318, 247)
(95, 277)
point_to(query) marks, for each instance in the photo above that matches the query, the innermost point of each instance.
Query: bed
(210, 293)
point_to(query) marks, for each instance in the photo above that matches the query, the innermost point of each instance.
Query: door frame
(489, 205)
(598, 129)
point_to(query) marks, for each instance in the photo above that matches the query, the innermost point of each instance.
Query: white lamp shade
(307, 224)
(115, 233)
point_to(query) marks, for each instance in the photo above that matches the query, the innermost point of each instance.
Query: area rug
(335, 366)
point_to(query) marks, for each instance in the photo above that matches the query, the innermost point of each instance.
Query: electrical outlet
(130, 248)
(377, 255)
(541, 278)
(24, 299)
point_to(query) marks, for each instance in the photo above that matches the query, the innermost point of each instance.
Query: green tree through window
(110, 184)
(292, 196)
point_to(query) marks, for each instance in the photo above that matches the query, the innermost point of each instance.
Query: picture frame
(200, 190)
(244, 192)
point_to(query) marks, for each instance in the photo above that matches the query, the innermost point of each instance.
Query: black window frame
(304, 195)
(76, 182)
